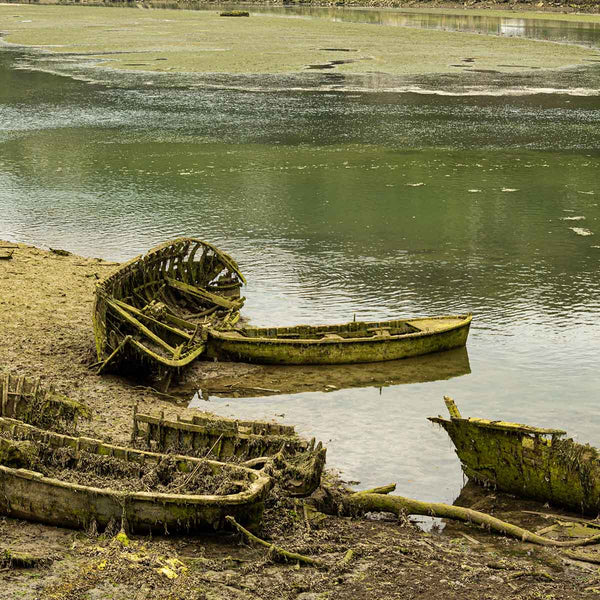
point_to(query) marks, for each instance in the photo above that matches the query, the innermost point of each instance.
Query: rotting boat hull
(266, 346)
(151, 310)
(527, 461)
(253, 442)
(26, 399)
(29, 495)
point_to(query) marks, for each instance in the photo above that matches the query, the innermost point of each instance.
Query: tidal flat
(186, 41)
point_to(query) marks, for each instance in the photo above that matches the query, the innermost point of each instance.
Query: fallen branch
(362, 502)
(590, 558)
(563, 518)
(313, 562)
(540, 574)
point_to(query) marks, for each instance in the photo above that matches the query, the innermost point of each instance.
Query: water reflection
(273, 380)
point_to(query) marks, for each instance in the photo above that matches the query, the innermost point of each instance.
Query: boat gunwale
(203, 429)
(234, 336)
(123, 267)
(508, 427)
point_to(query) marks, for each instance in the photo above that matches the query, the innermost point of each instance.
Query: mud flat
(184, 41)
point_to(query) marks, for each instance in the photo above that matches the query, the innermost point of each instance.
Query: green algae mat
(203, 42)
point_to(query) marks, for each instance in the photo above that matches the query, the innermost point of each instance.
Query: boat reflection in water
(252, 381)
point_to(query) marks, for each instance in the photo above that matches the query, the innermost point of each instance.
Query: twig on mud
(151, 389)
(583, 556)
(313, 562)
(541, 574)
(212, 447)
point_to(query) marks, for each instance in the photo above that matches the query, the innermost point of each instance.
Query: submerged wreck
(353, 342)
(297, 463)
(153, 309)
(80, 482)
(527, 461)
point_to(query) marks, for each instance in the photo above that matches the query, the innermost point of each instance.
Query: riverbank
(45, 325)
(201, 42)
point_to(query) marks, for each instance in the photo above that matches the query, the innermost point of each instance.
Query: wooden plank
(5, 384)
(139, 313)
(203, 294)
(140, 327)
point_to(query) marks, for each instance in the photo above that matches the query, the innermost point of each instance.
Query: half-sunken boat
(354, 342)
(527, 461)
(152, 310)
(26, 399)
(260, 444)
(79, 482)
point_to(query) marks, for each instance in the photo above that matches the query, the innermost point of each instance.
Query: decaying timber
(264, 445)
(26, 399)
(151, 311)
(354, 342)
(54, 498)
(526, 461)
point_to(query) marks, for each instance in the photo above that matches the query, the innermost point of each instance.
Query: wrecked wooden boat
(354, 342)
(151, 311)
(80, 482)
(26, 399)
(263, 445)
(527, 461)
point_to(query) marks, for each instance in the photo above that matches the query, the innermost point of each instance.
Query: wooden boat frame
(137, 316)
(271, 446)
(532, 462)
(26, 494)
(26, 399)
(364, 342)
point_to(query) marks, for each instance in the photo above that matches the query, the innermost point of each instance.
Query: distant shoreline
(556, 7)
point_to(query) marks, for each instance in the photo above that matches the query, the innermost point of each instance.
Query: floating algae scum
(233, 45)
(527, 461)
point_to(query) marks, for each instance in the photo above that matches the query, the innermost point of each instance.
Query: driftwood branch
(313, 562)
(362, 502)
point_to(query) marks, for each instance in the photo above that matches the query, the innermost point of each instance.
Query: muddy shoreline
(45, 325)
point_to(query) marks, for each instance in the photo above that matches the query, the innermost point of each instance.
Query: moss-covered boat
(151, 311)
(26, 399)
(354, 342)
(58, 499)
(268, 445)
(527, 461)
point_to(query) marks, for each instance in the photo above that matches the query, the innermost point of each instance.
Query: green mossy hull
(528, 462)
(379, 348)
(29, 495)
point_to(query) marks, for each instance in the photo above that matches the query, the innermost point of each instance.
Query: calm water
(338, 203)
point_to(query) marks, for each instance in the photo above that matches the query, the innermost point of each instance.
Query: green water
(338, 203)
